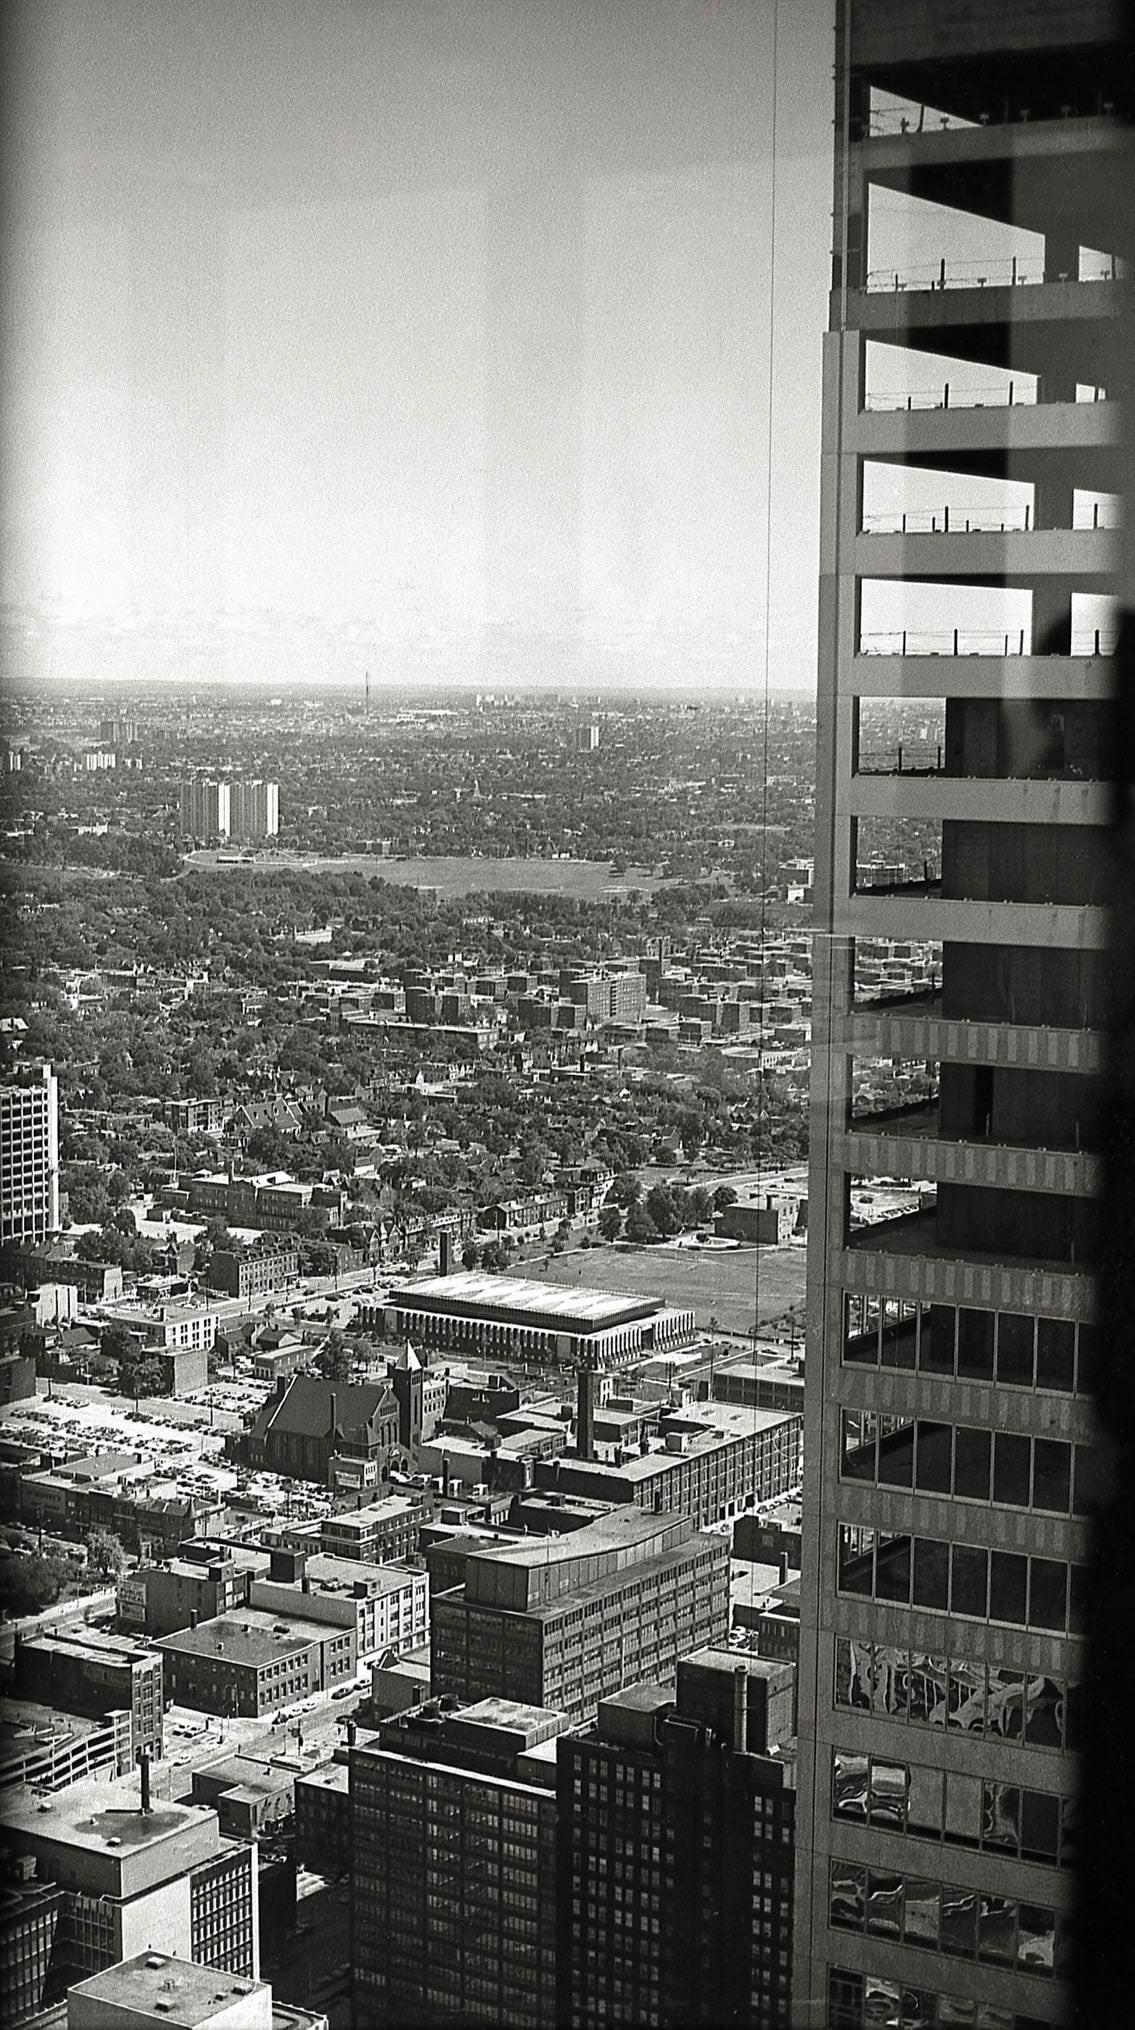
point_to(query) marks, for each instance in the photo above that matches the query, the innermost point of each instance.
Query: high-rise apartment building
(254, 810)
(676, 1852)
(453, 1884)
(205, 809)
(948, 1433)
(29, 1153)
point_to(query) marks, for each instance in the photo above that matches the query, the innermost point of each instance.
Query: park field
(733, 1286)
(450, 875)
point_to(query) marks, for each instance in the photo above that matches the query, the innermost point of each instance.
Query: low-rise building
(323, 1820)
(273, 1264)
(48, 1749)
(512, 1318)
(387, 1606)
(375, 1533)
(308, 1422)
(249, 1665)
(82, 1670)
(711, 1461)
(154, 1991)
(252, 1795)
(200, 1582)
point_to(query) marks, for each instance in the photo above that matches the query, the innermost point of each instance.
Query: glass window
(1006, 1692)
(1040, 1826)
(920, 1912)
(971, 1463)
(931, 1573)
(892, 1569)
(997, 1939)
(975, 1345)
(1008, 1580)
(928, 1685)
(855, 1559)
(888, 1793)
(1055, 1354)
(934, 1467)
(861, 1333)
(844, 1679)
(1011, 1457)
(896, 1452)
(848, 1895)
(884, 1903)
(1035, 1938)
(849, 1786)
(1048, 1593)
(891, 1680)
(1051, 1475)
(966, 1699)
(898, 1332)
(1090, 1480)
(963, 1810)
(1042, 1712)
(858, 1444)
(1087, 1341)
(959, 1922)
(936, 1343)
(969, 1581)
(924, 1802)
(1015, 1338)
(1001, 1816)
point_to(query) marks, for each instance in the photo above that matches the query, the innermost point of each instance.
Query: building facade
(204, 809)
(570, 1620)
(676, 1854)
(514, 1318)
(85, 1671)
(29, 1154)
(454, 1879)
(948, 1431)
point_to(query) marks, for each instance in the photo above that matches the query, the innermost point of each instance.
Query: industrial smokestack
(144, 1763)
(740, 1708)
(585, 1413)
(783, 1561)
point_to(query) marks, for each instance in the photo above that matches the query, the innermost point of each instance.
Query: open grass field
(583, 880)
(729, 1286)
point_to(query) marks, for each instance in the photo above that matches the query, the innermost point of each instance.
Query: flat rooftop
(188, 1994)
(481, 1295)
(95, 1814)
(255, 1636)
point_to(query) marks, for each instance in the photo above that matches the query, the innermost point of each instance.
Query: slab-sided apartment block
(968, 508)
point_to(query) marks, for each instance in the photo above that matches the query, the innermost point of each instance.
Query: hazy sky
(423, 335)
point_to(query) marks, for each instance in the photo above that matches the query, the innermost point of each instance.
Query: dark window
(1001, 1816)
(969, 1581)
(1011, 1469)
(1042, 1721)
(931, 1573)
(1008, 1579)
(1056, 1354)
(848, 1895)
(896, 1456)
(936, 1344)
(1051, 1475)
(892, 1570)
(1015, 1351)
(1040, 1826)
(997, 1935)
(975, 1345)
(971, 1463)
(1048, 1593)
(1087, 1350)
(933, 1471)
(858, 1445)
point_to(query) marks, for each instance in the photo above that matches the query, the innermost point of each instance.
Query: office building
(84, 1670)
(30, 1911)
(387, 1606)
(568, 1620)
(676, 1852)
(384, 1529)
(254, 810)
(29, 1154)
(204, 809)
(948, 1433)
(453, 1827)
(249, 1664)
(200, 1582)
(132, 1872)
(708, 1463)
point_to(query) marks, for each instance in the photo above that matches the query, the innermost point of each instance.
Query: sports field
(730, 1286)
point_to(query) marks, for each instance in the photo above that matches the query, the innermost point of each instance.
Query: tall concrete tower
(948, 1431)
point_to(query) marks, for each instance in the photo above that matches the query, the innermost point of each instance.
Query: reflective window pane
(971, 1463)
(969, 1580)
(848, 1895)
(849, 1786)
(934, 1459)
(931, 1573)
(1042, 1712)
(1001, 1816)
(896, 1454)
(1008, 1585)
(892, 1570)
(966, 1708)
(959, 1922)
(927, 1684)
(975, 1345)
(1035, 1938)
(884, 1903)
(1011, 1457)
(857, 1445)
(892, 1674)
(936, 1345)
(1015, 1351)
(920, 1912)
(888, 1793)
(997, 1932)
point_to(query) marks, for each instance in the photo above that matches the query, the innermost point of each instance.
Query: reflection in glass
(896, 1452)
(1042, 1713)
(892, 1677)
(1036, 1938)
(892, 1570)
(882, 2003)
(956, 2013)
(991, 2018)
(997, 1931)
(848, 1895)
(1001, 1816)
(1006, 1694)
(884, 1903)
(849, 1786)
(959, 1922)
(966, 1705)
(920, 1912)
(888, 1793)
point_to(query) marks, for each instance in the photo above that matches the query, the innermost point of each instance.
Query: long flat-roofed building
(568, 1620)
(515, 1318)
(713, 1460)
(154, 1988)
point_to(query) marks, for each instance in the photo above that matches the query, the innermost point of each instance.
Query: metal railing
(1019, 271)
(998, 395)
(982, 521)
(970, 642)
(890, 120)
(908, 757)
